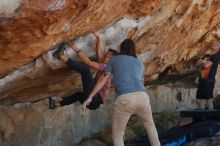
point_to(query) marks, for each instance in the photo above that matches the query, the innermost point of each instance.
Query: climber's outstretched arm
(99, 47)
(84, 58)
(100, 83)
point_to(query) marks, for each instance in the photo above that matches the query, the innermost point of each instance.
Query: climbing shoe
(59, 51)
(51, 103)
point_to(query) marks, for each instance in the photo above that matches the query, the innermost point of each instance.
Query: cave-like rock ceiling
(169, 34)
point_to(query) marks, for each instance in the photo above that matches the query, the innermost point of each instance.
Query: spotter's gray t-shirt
(127, 73)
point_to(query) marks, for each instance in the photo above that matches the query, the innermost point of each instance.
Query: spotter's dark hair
(127, 47)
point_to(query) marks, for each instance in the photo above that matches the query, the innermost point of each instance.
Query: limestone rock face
(178, 32)
(171, 98)
(68, 125)
(29, 28)
(33, 124)
(169, 35)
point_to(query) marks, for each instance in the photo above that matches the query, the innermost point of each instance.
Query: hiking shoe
(59, 51)
(51, 103)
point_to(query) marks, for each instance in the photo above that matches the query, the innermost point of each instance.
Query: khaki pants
(126, 105)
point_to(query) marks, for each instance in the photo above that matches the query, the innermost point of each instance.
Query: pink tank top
(104, 92)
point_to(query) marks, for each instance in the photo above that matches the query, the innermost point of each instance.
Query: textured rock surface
(29, 28)
(171, 98)
(33, 124)
(177, 32)
(43, 76)
(69, 125)
(169, 35)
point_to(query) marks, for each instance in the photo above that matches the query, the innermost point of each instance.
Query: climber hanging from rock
(88, 82)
